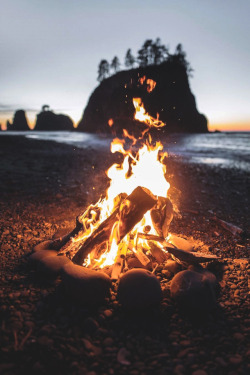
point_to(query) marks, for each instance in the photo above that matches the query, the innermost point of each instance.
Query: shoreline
(44, 186)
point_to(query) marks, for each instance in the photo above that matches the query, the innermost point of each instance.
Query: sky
(50, 51)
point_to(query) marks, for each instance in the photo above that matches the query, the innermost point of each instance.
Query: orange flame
(110, 122)
(150, 85)
(142, 116)
(143, 167)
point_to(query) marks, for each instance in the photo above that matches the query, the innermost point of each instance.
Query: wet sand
(44, 186)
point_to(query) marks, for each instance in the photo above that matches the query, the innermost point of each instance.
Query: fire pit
(128, 229)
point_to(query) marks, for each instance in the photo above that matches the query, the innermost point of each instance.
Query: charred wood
(130, 212)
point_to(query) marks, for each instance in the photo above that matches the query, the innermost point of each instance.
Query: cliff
(172, 99)
(49, 121)
(19, 122)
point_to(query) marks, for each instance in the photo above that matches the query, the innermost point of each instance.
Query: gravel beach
(43, 187)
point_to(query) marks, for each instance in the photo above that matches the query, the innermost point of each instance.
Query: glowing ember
(110, 122)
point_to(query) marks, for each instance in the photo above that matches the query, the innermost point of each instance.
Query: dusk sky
(50, 51)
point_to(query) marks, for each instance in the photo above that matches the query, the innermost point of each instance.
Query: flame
(110, 122)
(150, 85)
(139, 167)
(142, 116)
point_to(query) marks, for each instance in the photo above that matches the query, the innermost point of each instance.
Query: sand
(44, 186)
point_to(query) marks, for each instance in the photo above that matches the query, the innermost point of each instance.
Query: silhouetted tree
(115, 64)
(129, 59)
(145, 54)
(179, 57)
(159, 51)
(45, 107)
(103, 70)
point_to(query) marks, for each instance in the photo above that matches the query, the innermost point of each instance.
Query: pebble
(199, 372)
(235, 359)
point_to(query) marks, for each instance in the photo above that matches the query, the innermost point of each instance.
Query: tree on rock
(129, 59)
(145, 54)
(45, 107)
(103, 70)
(115, 64)
(159, 51)
(179, 57)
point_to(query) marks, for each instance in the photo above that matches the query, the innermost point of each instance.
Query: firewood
(162, 216)
(189, 257)
(117, 268)
(130, 212)
(119, 261)
(60, 242)
(138, 252)
(228, 226)
(157, 252)
(151, 237)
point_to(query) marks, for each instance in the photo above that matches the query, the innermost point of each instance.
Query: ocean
(224, 150)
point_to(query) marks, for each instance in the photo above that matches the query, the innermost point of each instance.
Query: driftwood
(130, 212)
(162, 216)
(189, 257)
(228, 226)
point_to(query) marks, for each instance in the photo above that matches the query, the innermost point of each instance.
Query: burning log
(157, 252)
(130, 212)
(119, 261)
(162, 216)
(143, 259)
(58, 243)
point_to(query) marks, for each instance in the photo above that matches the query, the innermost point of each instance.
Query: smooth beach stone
(180, 243)
(194, 290)
(38, 255)
(45, 245)
(85, 286)
(139, 289)
(172, 266)
(52, 266)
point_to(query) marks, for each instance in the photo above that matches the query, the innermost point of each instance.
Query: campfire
(130, 225)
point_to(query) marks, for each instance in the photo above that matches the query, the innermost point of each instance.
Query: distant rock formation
(172, 99)
(49, 121)
(19, 122)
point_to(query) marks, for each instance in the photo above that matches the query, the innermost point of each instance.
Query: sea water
(225, 149)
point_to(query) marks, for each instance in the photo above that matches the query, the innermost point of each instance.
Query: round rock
(85, 286)
(194, 290)
(52, 266)
(38, 255)
(138, 289)
(45, 245)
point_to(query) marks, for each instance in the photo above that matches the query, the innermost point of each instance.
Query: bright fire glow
(140, 167)
(142, 116)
